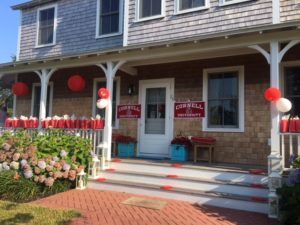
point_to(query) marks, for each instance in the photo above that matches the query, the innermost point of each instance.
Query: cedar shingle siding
(76, 31)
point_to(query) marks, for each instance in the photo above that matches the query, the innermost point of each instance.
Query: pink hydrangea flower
(28, 174)
(66, 167)
(23, 162)
(49, 181)
(42, 164)
(63, 153)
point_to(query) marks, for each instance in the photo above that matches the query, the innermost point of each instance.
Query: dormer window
(109, 18)
(46, 21)
(149, 9)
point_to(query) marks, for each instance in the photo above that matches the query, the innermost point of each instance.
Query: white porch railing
(95, 136)
(290, 145)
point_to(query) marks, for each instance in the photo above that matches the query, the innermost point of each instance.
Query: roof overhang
(31, 4)
(221, 41)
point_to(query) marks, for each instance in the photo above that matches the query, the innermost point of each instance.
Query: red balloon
(103, 93)
(20, 89)
(76, 83)
(272, 94)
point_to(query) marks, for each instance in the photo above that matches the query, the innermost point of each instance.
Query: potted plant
(126, 146)
(180, 146)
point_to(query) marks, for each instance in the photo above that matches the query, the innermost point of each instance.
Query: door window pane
(109, 16)
(150, 8)
(46, 26)
(155, 111)
(223, 100)
(101, 112)
(36, 101)
(189, 4)
(292, 89)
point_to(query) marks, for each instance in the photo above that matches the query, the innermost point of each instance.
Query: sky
(9, 23)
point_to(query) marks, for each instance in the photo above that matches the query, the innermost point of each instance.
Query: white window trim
(224, 3)
(178, 11)
(283, 66)
(95, 96)
(240, 70)
(121, 9)
(33, 97)
(137, 12)
(38, 26)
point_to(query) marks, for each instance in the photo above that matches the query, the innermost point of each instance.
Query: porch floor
(106, 208)
(229, 167)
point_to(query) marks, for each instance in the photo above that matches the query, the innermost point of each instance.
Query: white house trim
(178, 11)
(38, 26)
(95, 96)
(50, 97)
(241, 114)
(121, 9)
(126, 21)
(19, 37)
(224, 2)
(275, 11)
(137, 12)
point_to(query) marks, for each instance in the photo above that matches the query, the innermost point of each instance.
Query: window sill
(179, 12)
(108, 35)
(149, 18)
(46, 45)
(222, 3)
(224, 130)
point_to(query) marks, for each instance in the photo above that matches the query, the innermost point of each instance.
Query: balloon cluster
(104, 95)
(274, 95)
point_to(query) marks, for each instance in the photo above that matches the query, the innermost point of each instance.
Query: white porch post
(110, 69)
(44, 75)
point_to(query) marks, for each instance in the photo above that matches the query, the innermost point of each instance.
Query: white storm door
(156, 124)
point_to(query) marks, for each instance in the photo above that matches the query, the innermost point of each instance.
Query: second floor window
(149, 8)
(46, 26)
(190, 4)
(109, 17)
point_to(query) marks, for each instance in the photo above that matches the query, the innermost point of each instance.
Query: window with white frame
(228, 2)
(190, 5)
(224, 97)
(292, 89)
(109, 17)
(100, 83)
(149, 8)
(36, 99)
(46, 26)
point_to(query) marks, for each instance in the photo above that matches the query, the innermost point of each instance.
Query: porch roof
(200, 44)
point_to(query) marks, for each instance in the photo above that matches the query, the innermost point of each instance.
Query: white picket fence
(290, 145)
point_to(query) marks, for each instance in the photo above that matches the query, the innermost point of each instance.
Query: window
(109, 18)
(292, 89)
(46, 26)
(223, 93)
(191, 5)
(35, 100)
(99, 83)
(149, 9)
(228, 2)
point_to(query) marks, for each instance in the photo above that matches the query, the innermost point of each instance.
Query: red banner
(189, 110)
(129, 112)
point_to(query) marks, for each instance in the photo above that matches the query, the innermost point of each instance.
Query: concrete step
(190, 184)
(196, 197)
(191, 172)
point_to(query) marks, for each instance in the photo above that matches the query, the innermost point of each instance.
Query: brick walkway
(105, 208)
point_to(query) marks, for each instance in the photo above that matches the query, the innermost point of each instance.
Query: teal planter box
(126, 150)
(179, 153)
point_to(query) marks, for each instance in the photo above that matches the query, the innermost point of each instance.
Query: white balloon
(102, 103)
(283, 105)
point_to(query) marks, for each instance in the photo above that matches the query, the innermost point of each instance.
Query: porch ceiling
(187, 49)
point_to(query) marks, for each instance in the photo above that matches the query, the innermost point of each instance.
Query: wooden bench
(202, 144)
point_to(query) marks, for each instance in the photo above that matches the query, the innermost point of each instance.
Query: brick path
(105, 208)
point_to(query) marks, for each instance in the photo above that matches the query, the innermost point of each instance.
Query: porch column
(110, 69)
(44, 75)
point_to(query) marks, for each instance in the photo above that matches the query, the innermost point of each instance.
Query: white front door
(156, 123)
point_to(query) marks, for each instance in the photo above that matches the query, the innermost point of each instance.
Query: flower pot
(126, 150)
(179, 152)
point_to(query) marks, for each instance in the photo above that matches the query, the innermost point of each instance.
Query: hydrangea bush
(44, 159)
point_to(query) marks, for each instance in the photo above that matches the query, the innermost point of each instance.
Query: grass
(29, 214)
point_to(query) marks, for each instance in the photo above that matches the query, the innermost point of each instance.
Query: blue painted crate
(179, 153)
(126, 150)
